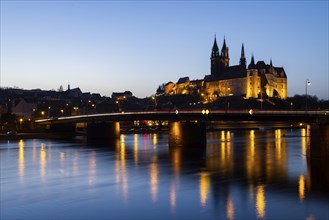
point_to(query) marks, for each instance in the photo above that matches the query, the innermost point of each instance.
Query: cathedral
(257, 80)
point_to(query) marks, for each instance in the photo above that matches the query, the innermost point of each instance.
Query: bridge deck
(197, 115)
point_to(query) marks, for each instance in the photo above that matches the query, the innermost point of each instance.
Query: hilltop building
(257, 80)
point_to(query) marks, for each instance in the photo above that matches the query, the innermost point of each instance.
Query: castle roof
(183, 80)
(252, 63)
(261, 65)
(233, 72)
(280, 72)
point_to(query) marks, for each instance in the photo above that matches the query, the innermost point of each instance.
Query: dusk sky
(114, 46)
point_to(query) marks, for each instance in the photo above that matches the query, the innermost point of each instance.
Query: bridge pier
(187, 134)
(103, 131)
(318, 175)
(319, 140)
(62, 130)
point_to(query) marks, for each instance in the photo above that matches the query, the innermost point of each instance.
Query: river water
(248, 174)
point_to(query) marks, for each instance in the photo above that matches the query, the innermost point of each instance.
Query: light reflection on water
(238, 175)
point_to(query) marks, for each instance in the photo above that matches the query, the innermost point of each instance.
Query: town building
(257, 80)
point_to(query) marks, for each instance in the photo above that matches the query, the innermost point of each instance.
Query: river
(240, 174)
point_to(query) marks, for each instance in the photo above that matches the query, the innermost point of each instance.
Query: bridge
(196, 115)
(188, 127)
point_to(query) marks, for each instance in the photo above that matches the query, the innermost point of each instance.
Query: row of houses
(37, 103)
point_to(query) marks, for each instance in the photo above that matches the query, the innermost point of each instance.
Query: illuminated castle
(258, 80)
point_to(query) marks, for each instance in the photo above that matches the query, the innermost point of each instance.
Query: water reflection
(75, 163)
(204, 187)
(43, 161)
(240, 174)
(92, 169)
(155, 141)
(230, 208)
(260, 201)
(21, 159)
(301, 187)
(173, 195)
(252, 161)
(121, 167)
(136, 149)
(154, 172)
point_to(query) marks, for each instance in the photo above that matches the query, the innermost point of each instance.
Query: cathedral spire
(271, 62)
(242, 51)
(215, 52)
(224, 55)
(252, 63)
(215, 60)
(224, 49)
(242, 58)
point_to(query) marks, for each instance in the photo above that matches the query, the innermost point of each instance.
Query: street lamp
(118, 103)
(227, 100)
(291, 104)
(261, 98)
(155, 102)
(308, 82)
(20, 123)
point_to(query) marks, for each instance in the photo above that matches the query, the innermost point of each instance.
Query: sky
(114, 46)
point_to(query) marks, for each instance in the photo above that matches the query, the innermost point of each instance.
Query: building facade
(257, 80)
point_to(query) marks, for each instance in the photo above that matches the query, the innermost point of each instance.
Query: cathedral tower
(215, 60)
(242, 58)
(224, 58)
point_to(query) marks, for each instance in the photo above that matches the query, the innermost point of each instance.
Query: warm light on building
(252, 81)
